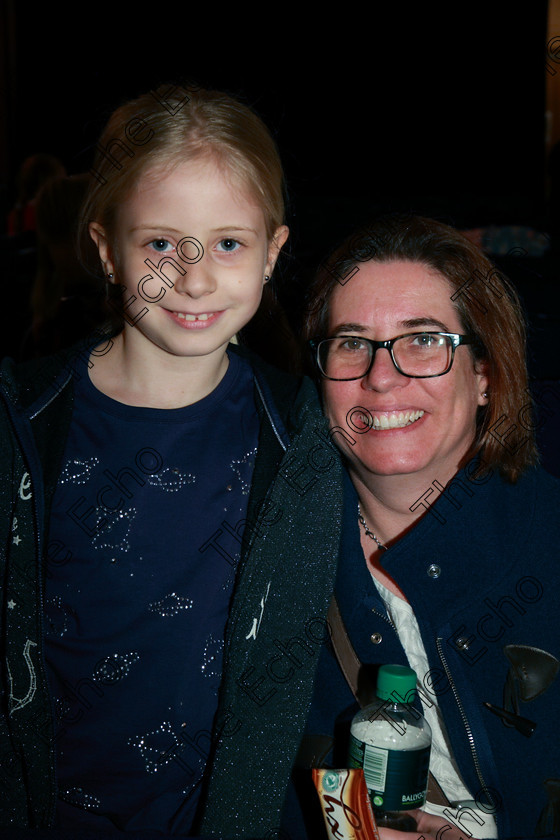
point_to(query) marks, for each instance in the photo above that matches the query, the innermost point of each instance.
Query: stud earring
(266, 278)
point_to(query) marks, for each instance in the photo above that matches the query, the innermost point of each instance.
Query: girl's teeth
(187, 317)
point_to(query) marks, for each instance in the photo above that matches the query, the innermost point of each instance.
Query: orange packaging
(346, 805)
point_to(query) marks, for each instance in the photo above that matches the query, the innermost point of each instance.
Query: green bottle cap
(396, 682)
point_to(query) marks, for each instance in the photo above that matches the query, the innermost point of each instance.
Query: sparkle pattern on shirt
(171, 479)
(57, 614)
(171, 605)
(248, 458)
(78, 470)
(158, 747)
(212, 657)
(114, 530)
(114, 667)
(77, 796)
(135, 703)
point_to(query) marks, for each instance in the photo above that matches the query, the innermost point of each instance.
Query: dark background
(430, 109)
(437, 110)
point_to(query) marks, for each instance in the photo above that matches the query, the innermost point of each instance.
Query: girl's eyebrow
(164, 228)
(157, 228)
(234, 229)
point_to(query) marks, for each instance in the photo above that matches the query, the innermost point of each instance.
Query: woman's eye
(229, 245)
(425, 340)
(160, 245)
(352, 344)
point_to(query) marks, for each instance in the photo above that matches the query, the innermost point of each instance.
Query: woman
(450, 532)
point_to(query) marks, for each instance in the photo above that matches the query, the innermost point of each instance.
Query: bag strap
(350, 666)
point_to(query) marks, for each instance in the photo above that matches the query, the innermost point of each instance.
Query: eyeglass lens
(416, 355)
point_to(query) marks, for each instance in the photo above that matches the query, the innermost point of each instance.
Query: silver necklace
(368, 532)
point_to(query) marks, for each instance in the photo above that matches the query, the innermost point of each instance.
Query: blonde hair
(167, 126)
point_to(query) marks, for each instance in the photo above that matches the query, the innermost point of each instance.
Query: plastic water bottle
(391, 741)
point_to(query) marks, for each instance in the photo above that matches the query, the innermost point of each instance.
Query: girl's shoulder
(292, 395)
(29, 382)
(25, 383)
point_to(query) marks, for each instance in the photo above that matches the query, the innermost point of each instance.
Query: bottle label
(396, 779)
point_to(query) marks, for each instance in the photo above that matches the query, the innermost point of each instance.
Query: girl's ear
(275, 246)
(97, 233)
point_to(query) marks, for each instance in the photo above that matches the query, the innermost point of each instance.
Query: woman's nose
(383, 374)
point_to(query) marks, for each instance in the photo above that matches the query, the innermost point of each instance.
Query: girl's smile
(191, 321)
(191, 250)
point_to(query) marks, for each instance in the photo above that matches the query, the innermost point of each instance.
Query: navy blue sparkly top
(144, 541)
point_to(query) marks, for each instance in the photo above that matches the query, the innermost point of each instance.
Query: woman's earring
(485, 394)
(109, 277)
(266, 278)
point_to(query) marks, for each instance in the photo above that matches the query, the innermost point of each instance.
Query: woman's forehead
(394, 292)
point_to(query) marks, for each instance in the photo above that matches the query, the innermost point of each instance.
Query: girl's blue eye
(229, 245)
(159, 244)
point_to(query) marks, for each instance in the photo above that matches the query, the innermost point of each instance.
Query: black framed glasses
(416, 355)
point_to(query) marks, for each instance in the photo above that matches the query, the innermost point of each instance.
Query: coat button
(376, 638)
(462, 642)
(434, 571)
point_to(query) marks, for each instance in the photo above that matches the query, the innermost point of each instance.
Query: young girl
(164, 493)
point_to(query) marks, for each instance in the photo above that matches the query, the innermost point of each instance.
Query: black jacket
(277, 617)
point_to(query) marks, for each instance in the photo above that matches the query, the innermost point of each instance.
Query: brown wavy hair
(488, 307)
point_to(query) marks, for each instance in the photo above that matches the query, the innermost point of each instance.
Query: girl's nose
(198, 280)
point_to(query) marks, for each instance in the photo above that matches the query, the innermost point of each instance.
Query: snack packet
(346, 805)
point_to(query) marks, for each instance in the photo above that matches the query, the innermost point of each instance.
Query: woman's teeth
(395, 420)
(185, 315)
